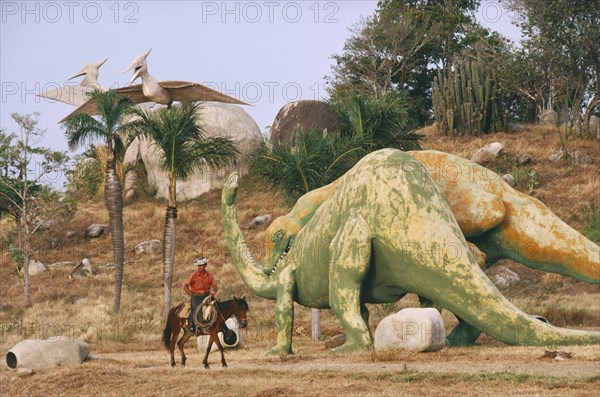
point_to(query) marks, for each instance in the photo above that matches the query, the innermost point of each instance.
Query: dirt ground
(489, 369)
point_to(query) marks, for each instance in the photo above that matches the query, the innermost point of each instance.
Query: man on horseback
(199, 285)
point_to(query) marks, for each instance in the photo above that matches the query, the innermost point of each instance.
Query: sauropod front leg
(350, 255)
(284, 312)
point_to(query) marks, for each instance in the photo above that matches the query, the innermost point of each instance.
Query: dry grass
(563, 187)
(313, 371)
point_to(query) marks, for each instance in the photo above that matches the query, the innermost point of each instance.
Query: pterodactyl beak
(137, 66)
(87, 68)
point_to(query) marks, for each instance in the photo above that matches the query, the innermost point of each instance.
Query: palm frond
(82, 129)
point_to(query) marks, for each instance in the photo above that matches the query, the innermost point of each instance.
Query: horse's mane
(240, 301)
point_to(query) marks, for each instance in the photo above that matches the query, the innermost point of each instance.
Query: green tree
(394, 49)
(563, 44)
(184, 151)
(23, 186)
(110, 127)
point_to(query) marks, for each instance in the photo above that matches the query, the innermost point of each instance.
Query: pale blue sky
(264, 52)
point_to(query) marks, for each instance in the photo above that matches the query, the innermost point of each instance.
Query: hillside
(82, 306)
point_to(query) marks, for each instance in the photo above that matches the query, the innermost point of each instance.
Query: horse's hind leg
(210, 342)
(174, 337)
(186, 336)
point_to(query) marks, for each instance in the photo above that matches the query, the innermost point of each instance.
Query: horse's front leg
(186, 336)
(210, 342)
(218, 342)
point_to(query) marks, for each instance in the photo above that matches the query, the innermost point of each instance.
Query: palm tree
(110, 127)
(379, 122)
(185, 150)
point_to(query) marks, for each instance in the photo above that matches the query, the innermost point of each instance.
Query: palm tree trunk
(114, 204)
(168, 256)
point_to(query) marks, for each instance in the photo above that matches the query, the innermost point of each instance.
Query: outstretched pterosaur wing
(185, 91)
(134, 92)
(74, 95)
(182, 91)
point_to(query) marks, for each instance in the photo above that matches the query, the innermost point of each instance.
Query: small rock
(580, 157)
(24, 371)
(259, 220)
(508, 178)
(488, 153)
(523, 159)
(107, 267)
(61, 264)
(502, 276)
(81, 301)
(82, 270)
(47, 224)
(513, 127)
(71, 234)
(95, 230)
(36, 267)
(335, 341)
(548, 117)
(556, 155)
(152, 247)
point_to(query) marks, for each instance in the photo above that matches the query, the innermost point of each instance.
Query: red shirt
(200, 284)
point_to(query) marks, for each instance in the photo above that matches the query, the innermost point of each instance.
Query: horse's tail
(166, 339)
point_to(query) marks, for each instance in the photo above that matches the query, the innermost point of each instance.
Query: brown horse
(236, 307)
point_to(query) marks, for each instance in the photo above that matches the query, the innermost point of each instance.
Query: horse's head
(240, 308)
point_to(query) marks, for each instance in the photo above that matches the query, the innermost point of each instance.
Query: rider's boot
(191, 322)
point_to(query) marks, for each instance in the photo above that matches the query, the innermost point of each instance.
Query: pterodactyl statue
(162, 92)
(76, 95)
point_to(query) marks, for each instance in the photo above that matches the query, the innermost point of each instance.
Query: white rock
(152, 247)
(36, 267)
(488, 153)
(260, 220)
(503, 276)
(47, 353)
(508, 178)
(411, 329)
(548, 117)
(95, 230)
(83, 269)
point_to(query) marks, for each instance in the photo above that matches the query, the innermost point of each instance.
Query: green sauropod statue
(386, 230)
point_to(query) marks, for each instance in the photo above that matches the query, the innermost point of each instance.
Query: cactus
(466, 101)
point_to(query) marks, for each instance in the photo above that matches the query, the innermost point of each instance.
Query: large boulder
(47, 353)
(300, 115)
(217, 120)
(411, 329)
